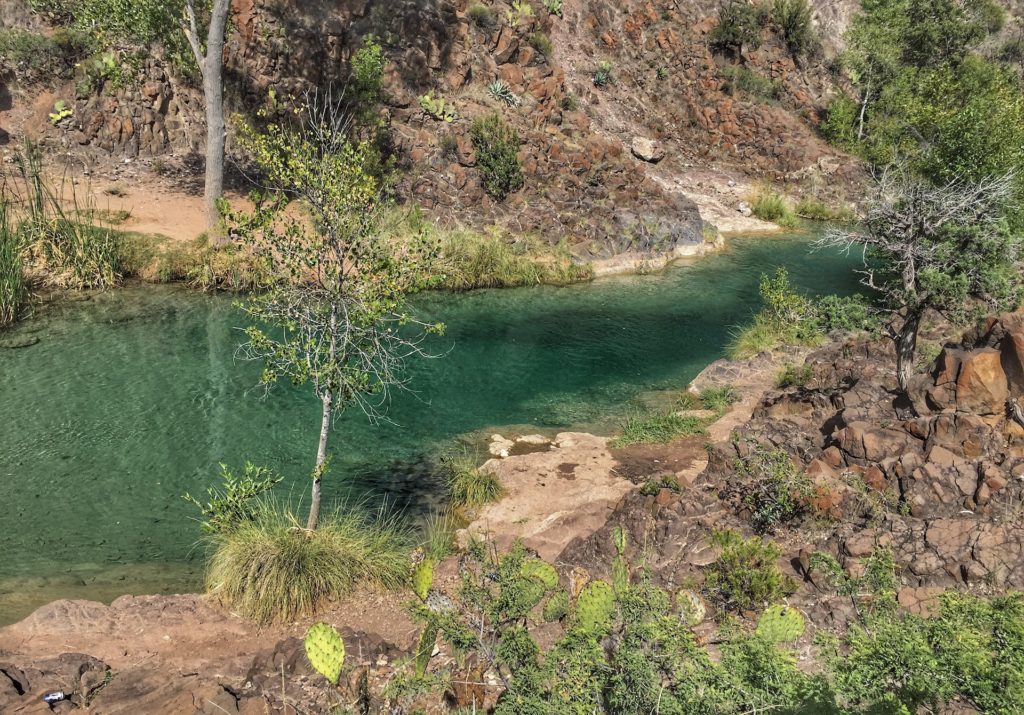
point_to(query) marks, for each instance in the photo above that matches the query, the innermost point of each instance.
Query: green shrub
(719, 398)
(794, 19)
(489, 260)
(817, 210)
(603, 76)
(666, 481)
(787, 318)
(542, 43)
(497, 155)
(481, 15)
(237, 500)
(769, 205)
(554, 7)
(468, 486)
(269, 569)
(34, 58)
(846, 314)
(990, 14)
(743, 80)
(658, 428)
(739, 25)
(746, 576)
(794, 376)
(774, 490)
(841, 122)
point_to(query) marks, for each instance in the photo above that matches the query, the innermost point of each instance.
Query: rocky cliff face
(607, 167)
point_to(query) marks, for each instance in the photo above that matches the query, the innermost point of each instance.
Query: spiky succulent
(780, 624)
(503, 93)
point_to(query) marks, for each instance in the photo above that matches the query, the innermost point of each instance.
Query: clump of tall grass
(439, 533)
(269, 568)
(817, 210)
(769, 205)
(13, 289)
(468, 485)
(487, 260)
(658, 428)
(787, 318)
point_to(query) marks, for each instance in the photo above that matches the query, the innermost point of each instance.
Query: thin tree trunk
(213, 93)
(321, 458)
(863, 109)
(906, 347)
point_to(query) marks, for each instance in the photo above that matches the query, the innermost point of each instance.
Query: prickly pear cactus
(423, 578)
(425, 647)
(595, 607)
(620, 575)
(557, 607)
(619, 536)
(780, 624)
(692, 610)
(540, 571)
(325, 650)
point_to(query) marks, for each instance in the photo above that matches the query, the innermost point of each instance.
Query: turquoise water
(132, 398)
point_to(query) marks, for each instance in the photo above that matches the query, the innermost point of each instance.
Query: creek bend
(133, 397)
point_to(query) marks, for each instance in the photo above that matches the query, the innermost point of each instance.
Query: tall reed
(12, 277)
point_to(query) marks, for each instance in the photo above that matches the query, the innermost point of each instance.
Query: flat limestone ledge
(552, 496)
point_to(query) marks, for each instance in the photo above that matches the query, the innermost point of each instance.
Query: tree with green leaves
(338, 319)
(201, 24)
(945, 247)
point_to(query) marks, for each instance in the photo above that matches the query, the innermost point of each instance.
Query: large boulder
(981, 386)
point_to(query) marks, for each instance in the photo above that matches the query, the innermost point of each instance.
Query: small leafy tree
(338, 318)
(739, 26)
(935, 247)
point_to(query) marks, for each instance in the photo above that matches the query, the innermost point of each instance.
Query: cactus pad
(557, 607)
(780, 624)
(595, 608)
(620, 575)
(325, 650)
(619, 536)
(540, 571)
(423, 578)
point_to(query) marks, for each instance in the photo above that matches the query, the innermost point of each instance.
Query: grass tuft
(270, 569)
(13, 289)
(658, 428)
(468, 486)
(439, 534)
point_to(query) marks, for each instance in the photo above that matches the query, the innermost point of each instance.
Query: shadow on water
(132, 398)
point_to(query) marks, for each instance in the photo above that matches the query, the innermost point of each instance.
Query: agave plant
(503, 93)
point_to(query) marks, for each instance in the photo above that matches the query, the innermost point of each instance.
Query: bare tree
(338, 319)
(211, 67)
(934, 247)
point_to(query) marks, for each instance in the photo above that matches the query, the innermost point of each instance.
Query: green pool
(133, 397)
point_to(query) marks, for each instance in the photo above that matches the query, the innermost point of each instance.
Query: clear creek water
(133, 397)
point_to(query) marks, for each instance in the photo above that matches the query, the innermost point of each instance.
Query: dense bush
(34, 58)
(481, 15)
(743, 80)
(746, 575)
(794, 20)
(773, 489)
(846, 314)
(497, 155)
(739, 25)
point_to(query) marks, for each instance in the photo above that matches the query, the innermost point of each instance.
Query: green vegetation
(775, 491)
(787, 319)
(325, 650)
(503, 93)
(542, 43)
(794, 20)
(769, 205)
(13, 288)
(439, 534)
(35, 58)
(337, 333)
(268, 568)
(746, 576)
(488, 260)
(658, 428)
(236, 501)
(718, 398)
(740, 80)
(603, 76)
(482, 16)
(794, 376)
(438, 107)
(554, 7)
(816, 210)
(468, 486)
(739, 25)
(497, 155)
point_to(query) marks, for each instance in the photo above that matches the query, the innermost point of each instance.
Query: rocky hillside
(625, 110)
